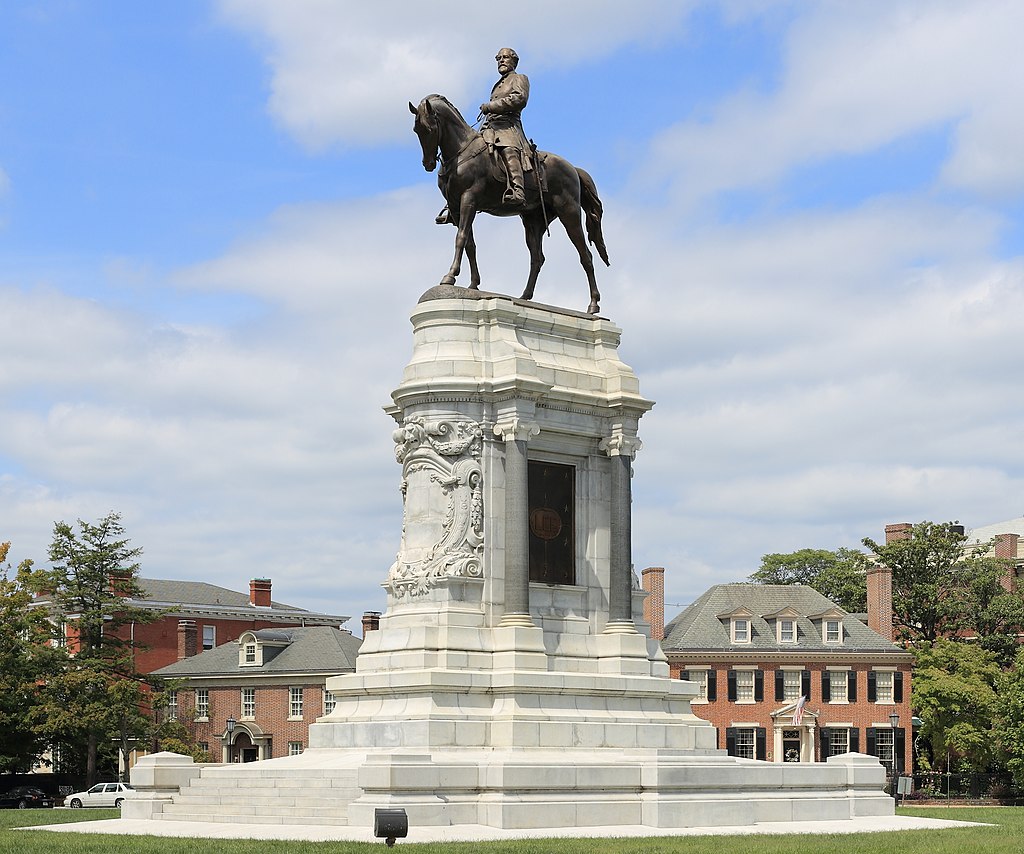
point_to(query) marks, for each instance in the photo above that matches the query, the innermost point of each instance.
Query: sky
(214, 224)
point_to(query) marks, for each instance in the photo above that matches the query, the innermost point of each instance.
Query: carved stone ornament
(443, 508)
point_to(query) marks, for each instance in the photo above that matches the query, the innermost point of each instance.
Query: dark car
(26, 797)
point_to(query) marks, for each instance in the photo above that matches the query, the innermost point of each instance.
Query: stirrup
(444, 217)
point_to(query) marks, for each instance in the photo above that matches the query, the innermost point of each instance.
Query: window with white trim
(249, 703)
(294, 748)
(746, 744)
(209, 637)
(883, 686)
(838, 741)
(787, 631)
(837, 685)
(884, 746)
(791, 684)
(744, 686)
(700, 679)
(250, 653)
(294, 702)
(740, 630)
(833, 631)
(172, 705)
(329, 702)
(202, 702)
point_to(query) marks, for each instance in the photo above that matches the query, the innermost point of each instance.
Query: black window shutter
(780, 685)
(758, 686)
(712, 685)
(761, 743)
(824, 744)
(897, 687)
(899, 747)
(851, 685)
(824, 686)
(872, 749)
(730, 741)
(872, 696)
(805, 684)
(854, 740)
(732, 689)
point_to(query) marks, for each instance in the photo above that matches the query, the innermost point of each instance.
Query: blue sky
(214, 221)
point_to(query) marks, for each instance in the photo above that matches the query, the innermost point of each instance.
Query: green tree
(95, 700)
(26, 660)
(930, 571)
(839, 574)
(954, 693)
(985, 609)
(1010, 718)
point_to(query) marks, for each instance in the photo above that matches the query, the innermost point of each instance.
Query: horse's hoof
(527, 295)
(448, 280)
(474, 286)
(594, 308)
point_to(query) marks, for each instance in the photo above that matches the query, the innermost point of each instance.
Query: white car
(100, 795)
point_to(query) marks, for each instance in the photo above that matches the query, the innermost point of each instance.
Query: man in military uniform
(503, 127)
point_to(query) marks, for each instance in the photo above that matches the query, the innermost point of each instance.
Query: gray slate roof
(185, 595)
(987, 532)
(698, 627)
(313, 649)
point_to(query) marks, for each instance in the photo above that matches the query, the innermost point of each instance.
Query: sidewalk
(475, 832)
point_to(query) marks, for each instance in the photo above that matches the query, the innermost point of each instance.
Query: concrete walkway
(476, 832)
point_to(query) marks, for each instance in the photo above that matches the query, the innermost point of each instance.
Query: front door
(250, 754)
(791, 745)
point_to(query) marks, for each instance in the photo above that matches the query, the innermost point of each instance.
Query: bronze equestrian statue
(535, 185)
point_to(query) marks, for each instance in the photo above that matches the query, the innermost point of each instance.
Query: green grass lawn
(1006, 837)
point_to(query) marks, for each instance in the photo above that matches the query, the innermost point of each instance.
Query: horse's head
(427, 128)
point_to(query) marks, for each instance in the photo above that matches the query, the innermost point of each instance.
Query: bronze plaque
(552, 495)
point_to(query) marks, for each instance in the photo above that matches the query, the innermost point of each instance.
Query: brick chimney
(259, 592)
(1006, 547)
(880, 600)
(188, 644)
(653, 581)
(371, 621)
(898, 531)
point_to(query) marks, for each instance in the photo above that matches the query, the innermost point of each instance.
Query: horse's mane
(435, 97)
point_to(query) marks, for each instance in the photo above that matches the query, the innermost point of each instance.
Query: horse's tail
(593, 209)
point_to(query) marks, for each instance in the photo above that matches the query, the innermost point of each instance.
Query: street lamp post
(229, 727)
(894, 720)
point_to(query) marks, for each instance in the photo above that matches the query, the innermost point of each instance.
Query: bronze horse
(472, 181)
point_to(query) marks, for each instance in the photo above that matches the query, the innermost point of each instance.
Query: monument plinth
(511, 682)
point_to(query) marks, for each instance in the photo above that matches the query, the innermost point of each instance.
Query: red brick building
(755, 650)
(218, 615)
(255, 697)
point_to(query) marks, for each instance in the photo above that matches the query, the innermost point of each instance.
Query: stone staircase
(270, 792)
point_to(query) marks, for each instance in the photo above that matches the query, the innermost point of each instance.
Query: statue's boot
(514, 195)
(444, 217)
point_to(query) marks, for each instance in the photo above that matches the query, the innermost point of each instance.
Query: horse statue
(472, 181)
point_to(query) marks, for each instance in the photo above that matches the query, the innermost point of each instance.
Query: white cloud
(857, 77)
(340, 72)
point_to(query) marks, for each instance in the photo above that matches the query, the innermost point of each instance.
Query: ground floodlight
(390, 824)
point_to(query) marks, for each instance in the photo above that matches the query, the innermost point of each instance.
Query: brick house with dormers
(255, 697)
(754, 650)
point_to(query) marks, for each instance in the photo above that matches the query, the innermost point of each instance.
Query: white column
(516, 432)
(622, 448)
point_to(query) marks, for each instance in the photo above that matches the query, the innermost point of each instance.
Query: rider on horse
(503, 128)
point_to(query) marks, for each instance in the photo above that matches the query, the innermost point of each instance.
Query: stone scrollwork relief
(443, 513)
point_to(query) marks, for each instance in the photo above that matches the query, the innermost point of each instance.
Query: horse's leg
(474, 270)
(571, 217)
(534, 225)
(467, 211)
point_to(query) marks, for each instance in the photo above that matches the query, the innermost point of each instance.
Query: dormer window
(832, 631)
(740, 630)
(787, 631)
(250, 653)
